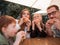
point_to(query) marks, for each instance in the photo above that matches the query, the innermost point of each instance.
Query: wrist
(40, 28)
(17, 42)
(28, 28)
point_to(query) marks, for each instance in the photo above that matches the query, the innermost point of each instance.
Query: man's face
(53, 13)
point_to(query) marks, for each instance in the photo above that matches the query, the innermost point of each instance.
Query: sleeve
(3, 41)
(33, 33)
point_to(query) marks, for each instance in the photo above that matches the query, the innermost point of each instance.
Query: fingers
(21, 21)
(33, 25)
(20, 34)
(28, 23)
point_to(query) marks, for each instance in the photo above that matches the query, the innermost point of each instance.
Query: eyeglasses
(52, 13)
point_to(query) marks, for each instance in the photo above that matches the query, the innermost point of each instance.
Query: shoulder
(3, 40)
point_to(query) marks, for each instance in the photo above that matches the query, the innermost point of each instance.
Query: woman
(25, 21)
(37, 26)
(8, 30)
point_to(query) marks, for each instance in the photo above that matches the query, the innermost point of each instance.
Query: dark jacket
(37, 33)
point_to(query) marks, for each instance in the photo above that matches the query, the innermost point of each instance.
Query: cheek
(23, 15)
(56, 16)
(12, 33)
(37, 20)
(12, 30)
(28, 16)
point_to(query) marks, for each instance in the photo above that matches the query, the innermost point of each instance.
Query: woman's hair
(23, 25)
(23, 12)
(5, 20)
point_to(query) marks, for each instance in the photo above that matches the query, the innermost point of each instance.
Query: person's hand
(28, 23)
(38, 24)
(21, 21)
(48, 26)
(49, 23)
(36, 21)
(57, 24)
(25, 19)
(20, 35)
(33, 25)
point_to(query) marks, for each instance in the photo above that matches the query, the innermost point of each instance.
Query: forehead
(11, 25)
(51, 9)
(26, 11)
(35, 15)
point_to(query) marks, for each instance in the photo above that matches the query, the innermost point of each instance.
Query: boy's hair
(6, 20)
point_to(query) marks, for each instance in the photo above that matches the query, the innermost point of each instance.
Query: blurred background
(14, 7)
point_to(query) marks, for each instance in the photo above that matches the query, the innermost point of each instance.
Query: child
(8, 30)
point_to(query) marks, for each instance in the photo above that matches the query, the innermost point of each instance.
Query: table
(41, 41)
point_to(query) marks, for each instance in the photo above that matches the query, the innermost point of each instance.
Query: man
(53, 24)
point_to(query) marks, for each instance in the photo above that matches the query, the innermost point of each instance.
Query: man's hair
(56, 7)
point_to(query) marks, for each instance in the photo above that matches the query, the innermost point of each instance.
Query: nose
(51, 16)
(25, 15)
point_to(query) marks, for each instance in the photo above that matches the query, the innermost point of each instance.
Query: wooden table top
(41, 41)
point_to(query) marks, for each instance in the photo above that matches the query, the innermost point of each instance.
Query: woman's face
(26, 14)
(11, 30)
(37, 17)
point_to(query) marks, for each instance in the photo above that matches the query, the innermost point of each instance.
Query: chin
(12, 35)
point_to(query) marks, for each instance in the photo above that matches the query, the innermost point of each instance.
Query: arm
(33, 25)
(19, 37)
(39, 26)
(28, 25)
(21, 21)
(48, 29)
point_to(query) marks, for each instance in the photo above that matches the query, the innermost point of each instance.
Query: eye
(37, 16)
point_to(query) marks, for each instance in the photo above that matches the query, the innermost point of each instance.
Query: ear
(3, 29)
